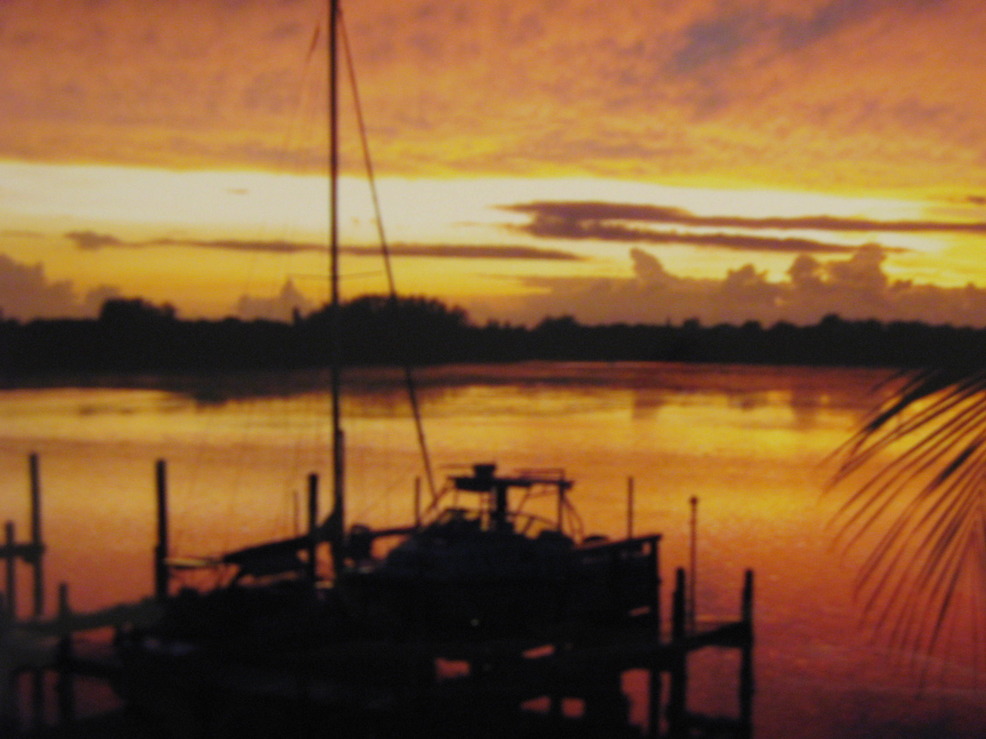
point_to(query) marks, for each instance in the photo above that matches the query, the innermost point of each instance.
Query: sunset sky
(644, 160)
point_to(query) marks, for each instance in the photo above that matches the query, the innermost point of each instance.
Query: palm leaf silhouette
(922, 509)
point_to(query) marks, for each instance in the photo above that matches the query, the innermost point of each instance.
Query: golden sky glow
(174, 151)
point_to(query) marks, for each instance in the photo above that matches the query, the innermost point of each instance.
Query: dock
(569, 683)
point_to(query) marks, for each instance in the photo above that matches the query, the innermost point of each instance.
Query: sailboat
(283, 638)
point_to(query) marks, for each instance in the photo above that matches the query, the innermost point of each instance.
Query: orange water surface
(751, 443)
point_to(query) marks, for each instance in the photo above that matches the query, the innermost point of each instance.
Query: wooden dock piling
(313, 526)
(65, 685)
(678, 667)
(162, 573)
(29, 552)
(10, 550)
(746, 682)
(34, 470)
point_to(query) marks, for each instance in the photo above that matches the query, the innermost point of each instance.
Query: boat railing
(480, 519)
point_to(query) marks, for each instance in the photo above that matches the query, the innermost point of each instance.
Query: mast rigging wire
(385, 251)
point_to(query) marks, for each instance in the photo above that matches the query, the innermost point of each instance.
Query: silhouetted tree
(135, 335)
(134, 312)
(928, 568)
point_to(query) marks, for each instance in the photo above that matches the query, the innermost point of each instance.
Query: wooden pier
(571, 683)
(40, 655)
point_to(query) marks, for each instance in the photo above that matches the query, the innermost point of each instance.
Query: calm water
(750, 443)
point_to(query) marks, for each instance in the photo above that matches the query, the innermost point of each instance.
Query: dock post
(605, 704)
(38, 697)
(746, 683)
(656, 680)
(312, 526)
(11, 567)
(656, 590)
(66, 679)
(9, 718)
(38, 546)
(630, 506)
(161, 572)
(693, 557)
(654, 689)
(677, 704)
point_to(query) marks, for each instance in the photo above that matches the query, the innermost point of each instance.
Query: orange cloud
(27, 293)
(823, 93)
(855, 288)
(91, 241)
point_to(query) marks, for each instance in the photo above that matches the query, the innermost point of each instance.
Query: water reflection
(748, 441)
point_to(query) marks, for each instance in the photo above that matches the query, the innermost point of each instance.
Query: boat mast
(338, 528)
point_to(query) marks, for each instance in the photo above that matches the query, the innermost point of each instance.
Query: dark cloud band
(651, 224)
(594, 211)
(90, 240)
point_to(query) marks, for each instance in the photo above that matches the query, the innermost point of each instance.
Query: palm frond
(920, 458)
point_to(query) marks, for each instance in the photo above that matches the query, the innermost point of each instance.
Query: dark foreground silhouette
(137, 336)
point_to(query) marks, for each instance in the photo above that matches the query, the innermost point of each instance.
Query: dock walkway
(568, 684)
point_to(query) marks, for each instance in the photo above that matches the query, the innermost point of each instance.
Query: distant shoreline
(133, 338)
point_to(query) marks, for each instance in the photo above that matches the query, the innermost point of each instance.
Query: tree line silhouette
(133, 335)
